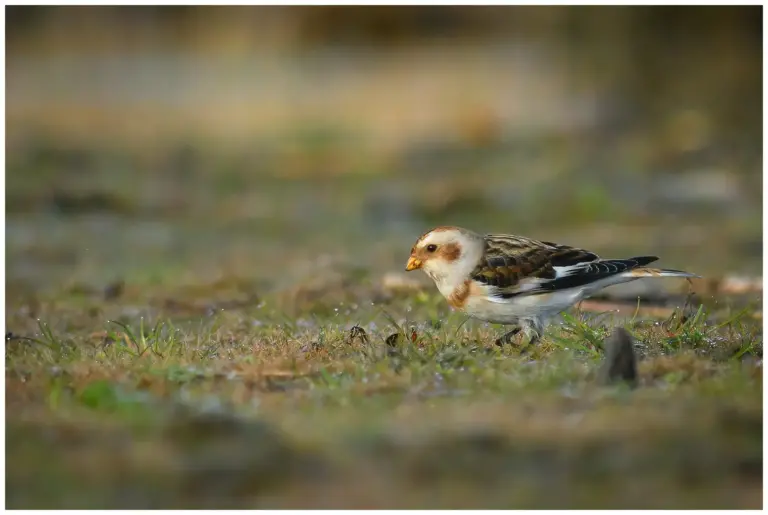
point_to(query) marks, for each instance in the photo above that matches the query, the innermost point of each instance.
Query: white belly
(510, 311)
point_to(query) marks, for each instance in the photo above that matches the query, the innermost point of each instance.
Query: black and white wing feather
(516, 266)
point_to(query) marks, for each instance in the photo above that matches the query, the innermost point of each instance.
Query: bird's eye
(431, 248)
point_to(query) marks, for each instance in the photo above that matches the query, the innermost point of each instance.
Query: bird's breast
(460, 295)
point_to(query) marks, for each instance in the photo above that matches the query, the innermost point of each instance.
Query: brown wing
(513, 262)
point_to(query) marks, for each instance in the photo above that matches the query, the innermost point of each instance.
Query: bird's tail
(659, 272)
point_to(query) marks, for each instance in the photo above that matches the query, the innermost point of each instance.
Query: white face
(448, 255)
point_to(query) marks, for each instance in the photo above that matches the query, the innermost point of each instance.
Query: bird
(518, 281)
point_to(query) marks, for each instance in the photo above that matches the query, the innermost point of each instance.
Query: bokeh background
(152, 144)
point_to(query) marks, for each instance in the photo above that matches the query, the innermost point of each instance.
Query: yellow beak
(413, 264)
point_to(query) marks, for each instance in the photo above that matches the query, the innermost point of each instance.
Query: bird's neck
(448, 280)
(446, 283)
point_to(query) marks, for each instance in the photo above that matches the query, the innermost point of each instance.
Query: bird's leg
(533, 329)
(507, 338)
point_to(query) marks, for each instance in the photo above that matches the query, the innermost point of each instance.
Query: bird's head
(446, 252)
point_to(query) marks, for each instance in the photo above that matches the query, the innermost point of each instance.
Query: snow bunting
(513, 280)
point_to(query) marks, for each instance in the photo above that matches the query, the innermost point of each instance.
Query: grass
(261, 370)
(397, 404)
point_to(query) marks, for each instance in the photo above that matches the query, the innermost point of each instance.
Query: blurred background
(157, 144)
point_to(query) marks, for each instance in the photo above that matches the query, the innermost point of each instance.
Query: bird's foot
(508, 337)
(532, 342)
(523, 347)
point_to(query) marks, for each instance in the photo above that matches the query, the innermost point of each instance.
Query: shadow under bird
(514, 280)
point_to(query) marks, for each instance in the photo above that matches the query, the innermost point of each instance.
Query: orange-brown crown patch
(442, 228)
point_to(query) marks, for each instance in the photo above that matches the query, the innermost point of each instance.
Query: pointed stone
(620, 362)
